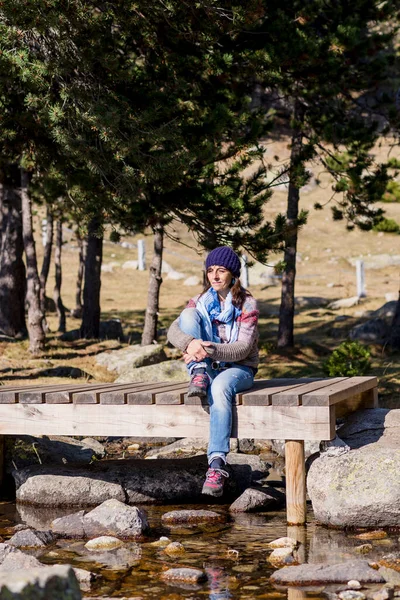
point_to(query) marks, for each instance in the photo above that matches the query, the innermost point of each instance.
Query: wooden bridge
(293, 410)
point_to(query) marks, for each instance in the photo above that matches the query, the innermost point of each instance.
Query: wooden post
(2, 462)
(295, 482)
(299, 533)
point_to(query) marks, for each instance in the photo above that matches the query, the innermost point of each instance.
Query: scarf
(210, 309)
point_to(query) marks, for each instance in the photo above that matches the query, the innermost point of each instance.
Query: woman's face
(220, 279)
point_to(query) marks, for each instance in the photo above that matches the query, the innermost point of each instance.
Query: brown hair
(239, 293)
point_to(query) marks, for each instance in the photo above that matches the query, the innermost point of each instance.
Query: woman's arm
(239, 350)
(177, 337)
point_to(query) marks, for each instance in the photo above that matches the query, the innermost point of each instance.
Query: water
(233, 554)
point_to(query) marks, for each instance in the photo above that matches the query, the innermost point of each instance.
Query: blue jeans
(221, 392)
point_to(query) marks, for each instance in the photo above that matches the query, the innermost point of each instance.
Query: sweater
(244, 351)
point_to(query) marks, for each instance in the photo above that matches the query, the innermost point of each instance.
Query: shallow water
(233, 554)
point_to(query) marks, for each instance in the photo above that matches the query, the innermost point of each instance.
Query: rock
(344, 303)
(174, 549)
(166, 267)
(131, 357)
(175, 275)
(330, 481)
(385, 593)
(115, 518)
(111, 330)
(70, 526)
(162, 542)
(351, 595)
(188, 446)
(170, 370)
(52, 450)
(390, 575)
(334, 447)
(192, 281)
(58, 582)
(312, 574)
(353, 584)
(130, 264)
(311, 302)
(363, 548)
(119, 559)
(177, 517)
(310, 447)
(27, 538)
(109, 267)
(375, 331)
(259, 467)
(85, 578)
(104, 542)
(372, 535)
(46, 488)
(254, 499)
(184, 575)
(264, 275)
(281, 556)
(135, 480)
(386, 311)
(283, 542)
(377, 261)
(12, 559)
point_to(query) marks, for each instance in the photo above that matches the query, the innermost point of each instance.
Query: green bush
(392, 192)
(349, 359)
(387, 225)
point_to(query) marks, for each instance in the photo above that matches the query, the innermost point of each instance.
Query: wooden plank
(171, 396)
(263, 390)
(268, 422)
(295, 469)
(10, 394)
(339, 391)
(57, 394)
(119, 396)
(293, 396)
(143, 397)
(91, 395)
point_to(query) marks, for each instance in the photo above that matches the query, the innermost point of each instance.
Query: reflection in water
(219, 584)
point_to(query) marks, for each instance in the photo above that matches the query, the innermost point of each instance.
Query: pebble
(104, 542)
(174, 549)
(283, 542)
(353, 584)
(175, 517)
(363, 549)
(281, 556)
(162, 542)
(351, 595)
(185, 574)
(378, 534)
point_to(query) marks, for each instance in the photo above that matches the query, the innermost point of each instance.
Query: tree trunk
(44, 273)
(77, 311)
(90, 326)
(394, 339)
(12, 268)
(37, 336)
(58, 278)
(151, 318)
(286, 312)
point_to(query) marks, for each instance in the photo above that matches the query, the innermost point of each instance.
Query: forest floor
(323, 270)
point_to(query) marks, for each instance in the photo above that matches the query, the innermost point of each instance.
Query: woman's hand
(196, 351)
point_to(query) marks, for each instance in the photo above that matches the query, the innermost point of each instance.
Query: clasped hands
(196, 351)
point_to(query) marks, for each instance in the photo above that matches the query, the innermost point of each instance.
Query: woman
(218, 335)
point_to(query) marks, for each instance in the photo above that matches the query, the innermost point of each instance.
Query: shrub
(392, 192)
(387, 225)
(349, 359)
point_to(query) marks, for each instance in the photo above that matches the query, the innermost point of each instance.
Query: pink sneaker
(198, 385)
(214, 483)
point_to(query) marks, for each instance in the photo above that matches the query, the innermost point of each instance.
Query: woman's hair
(239, 293)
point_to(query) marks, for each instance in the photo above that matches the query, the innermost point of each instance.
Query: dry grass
(324, 249)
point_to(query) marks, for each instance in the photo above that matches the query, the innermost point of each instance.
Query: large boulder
(362, 487)
(170, 370)
(12, 559)
(375, 331)
(113, 518)
(131, 357)
(58, 582)
(137, 480)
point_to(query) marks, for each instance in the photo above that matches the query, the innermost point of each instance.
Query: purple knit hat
(224, 257)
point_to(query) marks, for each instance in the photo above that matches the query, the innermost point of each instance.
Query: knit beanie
(224, 257)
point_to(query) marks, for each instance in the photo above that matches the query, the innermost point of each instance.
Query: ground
(323, 270)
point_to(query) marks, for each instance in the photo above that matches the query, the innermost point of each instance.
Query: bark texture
(12, 268)
(286, 312)
(151, 319)
(58, 279)
(394, 339)
(77, 311)
(44, 272)
(36, 332)
(90, 326)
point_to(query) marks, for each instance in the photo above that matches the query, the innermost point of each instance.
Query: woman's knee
(189, 319)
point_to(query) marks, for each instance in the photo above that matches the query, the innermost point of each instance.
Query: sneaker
(214, 483)
(198, 385)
